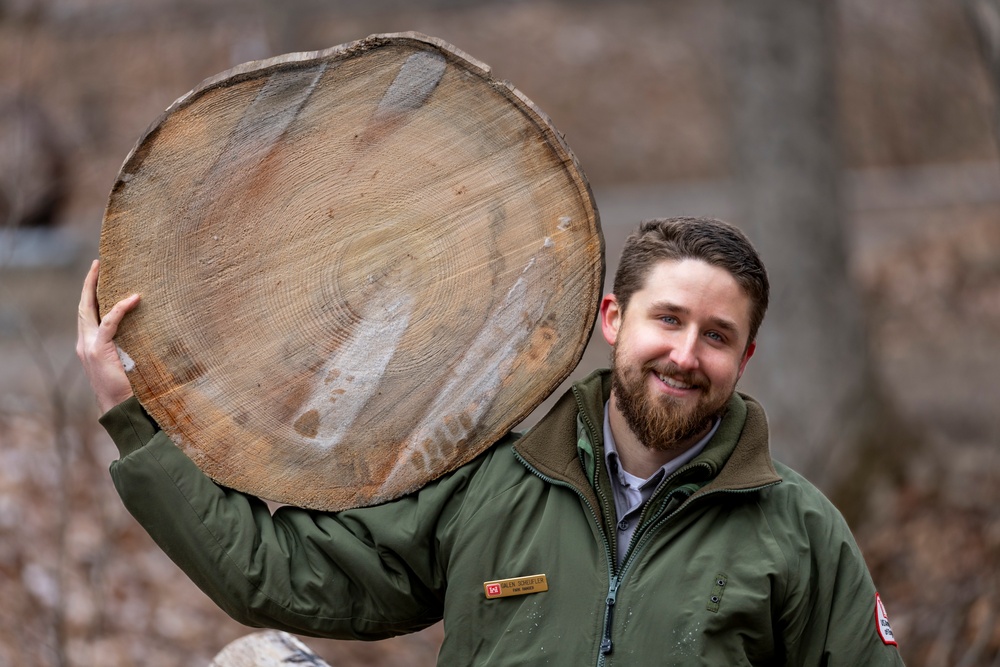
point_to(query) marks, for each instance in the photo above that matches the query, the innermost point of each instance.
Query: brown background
(638, 90)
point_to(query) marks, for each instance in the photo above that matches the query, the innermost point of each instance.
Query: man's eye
(668, 319)
(714, 335)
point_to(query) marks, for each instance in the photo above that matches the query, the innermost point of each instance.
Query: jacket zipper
(613, 587)
(613, 578)
(606, 644)
(614, 573)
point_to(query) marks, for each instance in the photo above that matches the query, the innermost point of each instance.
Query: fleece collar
(737, 457)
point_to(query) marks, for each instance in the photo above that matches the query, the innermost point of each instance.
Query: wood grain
(359, 268)
(269, 648)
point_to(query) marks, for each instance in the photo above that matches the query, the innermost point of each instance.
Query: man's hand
(95, 344)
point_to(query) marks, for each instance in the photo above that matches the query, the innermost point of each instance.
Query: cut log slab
(359, 268)
(267, 649)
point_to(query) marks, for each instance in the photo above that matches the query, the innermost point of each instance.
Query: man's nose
(685, 352)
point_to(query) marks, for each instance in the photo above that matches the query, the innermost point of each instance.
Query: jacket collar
(737, 457)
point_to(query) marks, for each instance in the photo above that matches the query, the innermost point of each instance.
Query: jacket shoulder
(801, 509)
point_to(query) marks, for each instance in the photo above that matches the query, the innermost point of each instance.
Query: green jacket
(733, 563)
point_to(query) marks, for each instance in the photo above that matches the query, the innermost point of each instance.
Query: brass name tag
(503, 588)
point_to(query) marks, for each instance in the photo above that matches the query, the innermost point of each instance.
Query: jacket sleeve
(829, 615)
(366, 574)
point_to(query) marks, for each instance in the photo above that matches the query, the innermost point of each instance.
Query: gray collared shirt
(631, 492)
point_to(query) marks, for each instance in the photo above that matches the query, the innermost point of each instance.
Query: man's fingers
(87, 312)
(111, 319)
(93, 332)
(95, 345)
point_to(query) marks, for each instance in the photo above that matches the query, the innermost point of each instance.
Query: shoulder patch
(882, 623)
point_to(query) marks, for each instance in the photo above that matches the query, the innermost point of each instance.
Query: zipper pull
(606, 643)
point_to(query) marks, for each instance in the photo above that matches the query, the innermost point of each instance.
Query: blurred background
(854, 141)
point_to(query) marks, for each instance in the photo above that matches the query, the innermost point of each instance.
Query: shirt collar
(612, 460)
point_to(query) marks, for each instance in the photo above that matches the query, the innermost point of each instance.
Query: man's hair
(712, 241)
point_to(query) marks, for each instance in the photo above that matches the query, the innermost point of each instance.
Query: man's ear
(751, 348)
(611, 318)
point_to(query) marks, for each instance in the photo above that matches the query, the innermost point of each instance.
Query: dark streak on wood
(417, 79)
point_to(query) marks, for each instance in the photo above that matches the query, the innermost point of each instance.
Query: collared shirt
(631, 492)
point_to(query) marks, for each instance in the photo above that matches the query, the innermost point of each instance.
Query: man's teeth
(676, 384)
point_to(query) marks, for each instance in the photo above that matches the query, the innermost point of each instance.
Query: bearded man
(641, 521)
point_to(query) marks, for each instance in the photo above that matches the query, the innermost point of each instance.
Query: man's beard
(663, 423)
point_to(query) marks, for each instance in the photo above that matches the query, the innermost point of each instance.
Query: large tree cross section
(359, 267)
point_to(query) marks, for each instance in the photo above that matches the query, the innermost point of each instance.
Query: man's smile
(673, 383)
(676, 381)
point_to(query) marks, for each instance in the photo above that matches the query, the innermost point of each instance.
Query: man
(642, 521)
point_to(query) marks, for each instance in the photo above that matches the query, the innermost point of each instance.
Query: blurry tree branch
(984, 15)
(58, 384)
(814, 372)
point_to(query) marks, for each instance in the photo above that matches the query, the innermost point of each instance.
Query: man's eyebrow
(723, 323)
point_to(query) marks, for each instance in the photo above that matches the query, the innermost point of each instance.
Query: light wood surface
(269, 648)
(359, 268)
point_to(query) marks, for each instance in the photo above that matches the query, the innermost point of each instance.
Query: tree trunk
(359, 268)
(32, 165)
(813, 369)
(984, 15)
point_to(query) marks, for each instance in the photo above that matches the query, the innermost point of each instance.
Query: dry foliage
(81, 583)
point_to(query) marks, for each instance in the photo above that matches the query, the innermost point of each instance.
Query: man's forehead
(686, 270)
(683, 284)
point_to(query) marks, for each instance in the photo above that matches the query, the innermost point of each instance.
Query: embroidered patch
(882, 623)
